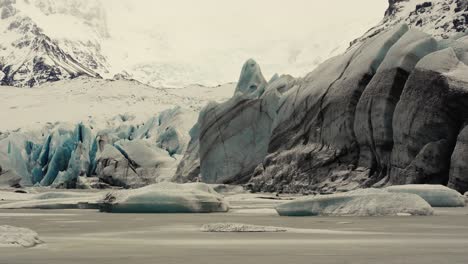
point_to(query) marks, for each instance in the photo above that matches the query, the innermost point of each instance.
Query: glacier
(389, 111)
(130, 154)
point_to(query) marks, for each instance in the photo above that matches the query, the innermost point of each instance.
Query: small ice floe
(366, 202)
(16, 236)
(166, 198)
(240, 228)
(435, 195)
(55, 200)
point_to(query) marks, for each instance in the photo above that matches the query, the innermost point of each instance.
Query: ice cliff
(127, 154)
(391, 110)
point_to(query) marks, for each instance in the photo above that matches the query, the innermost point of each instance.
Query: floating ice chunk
(367, 202)
(435, 195)
(59, 195)
(166, 198)
(234, 227)
(53, 200)
(16, 236)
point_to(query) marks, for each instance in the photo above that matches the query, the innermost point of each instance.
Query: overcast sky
(275, 32)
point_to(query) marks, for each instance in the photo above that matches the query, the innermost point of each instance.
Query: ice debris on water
(165, 198)
(365, 202)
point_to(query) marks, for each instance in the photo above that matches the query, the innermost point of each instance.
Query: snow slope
(124, 132)
(96, 101)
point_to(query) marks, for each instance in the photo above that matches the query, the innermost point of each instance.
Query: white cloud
(284, 36)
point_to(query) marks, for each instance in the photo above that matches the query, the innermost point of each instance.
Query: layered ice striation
(429, 116)
(435, 195)
(232, 136)
(366, 202)
(373, 123)
(166, 198)
(127, 154)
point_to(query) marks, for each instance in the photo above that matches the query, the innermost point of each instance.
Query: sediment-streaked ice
(435, 195)
(367, 202)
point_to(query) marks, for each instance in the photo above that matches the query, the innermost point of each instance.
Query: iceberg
(165, 198)
(16, 236)
(366, 202)
(55, 200)
(240, 228)
(435, 195)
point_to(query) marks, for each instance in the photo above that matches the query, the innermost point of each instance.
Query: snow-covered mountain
(46, 40)
(439, 18)
(50, 40)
